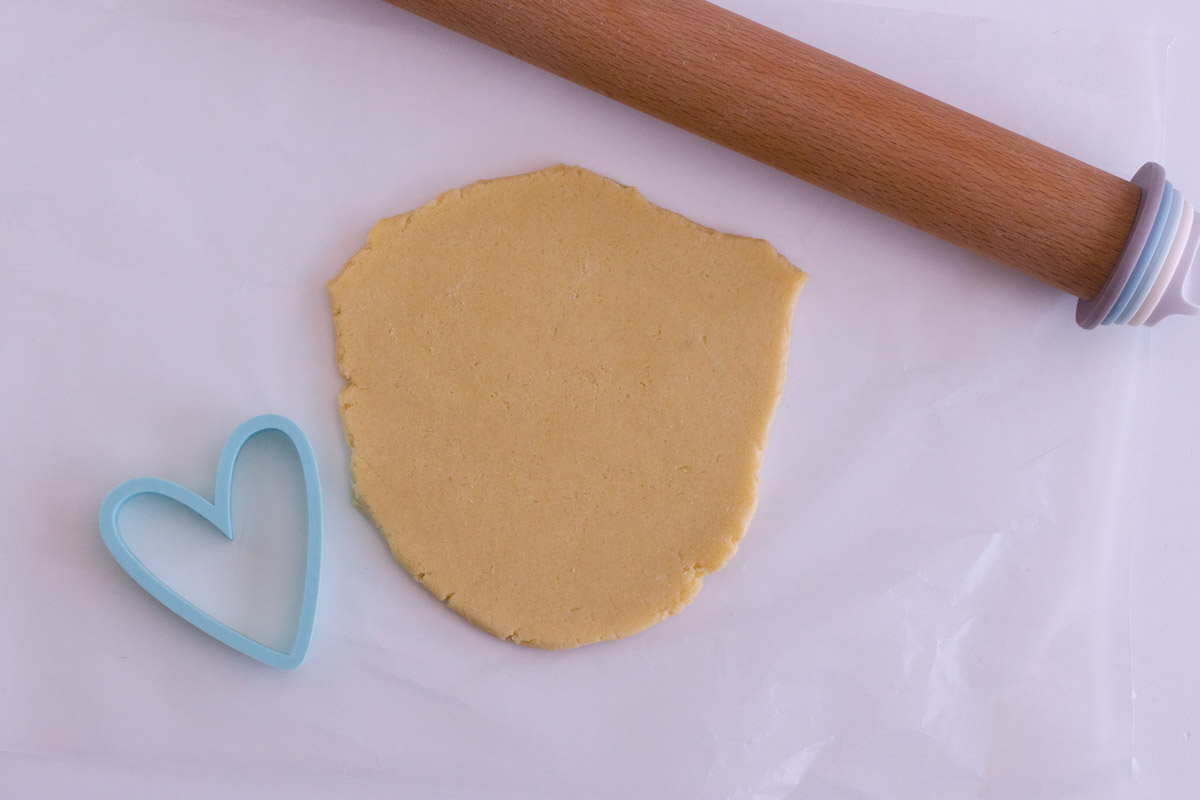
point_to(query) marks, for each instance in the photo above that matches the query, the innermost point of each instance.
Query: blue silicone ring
(1143, 263)
(1160, 258)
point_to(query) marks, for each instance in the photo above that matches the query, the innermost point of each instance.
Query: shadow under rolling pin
(1127, 249)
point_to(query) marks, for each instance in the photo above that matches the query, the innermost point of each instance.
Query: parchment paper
(931, 601)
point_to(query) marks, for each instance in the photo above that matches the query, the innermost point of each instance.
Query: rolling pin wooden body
(826, 121)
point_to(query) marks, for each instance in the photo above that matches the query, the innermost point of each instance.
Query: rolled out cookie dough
(557, 399)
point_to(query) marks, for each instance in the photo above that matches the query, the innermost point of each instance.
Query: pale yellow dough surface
(557, 399)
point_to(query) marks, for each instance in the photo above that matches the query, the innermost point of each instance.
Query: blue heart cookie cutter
(219, 514)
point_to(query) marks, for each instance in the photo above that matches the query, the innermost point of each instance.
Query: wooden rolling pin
(826, 121)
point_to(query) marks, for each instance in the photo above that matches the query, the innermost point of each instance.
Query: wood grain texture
(826, 121)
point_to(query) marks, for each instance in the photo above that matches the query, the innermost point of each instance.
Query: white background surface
(975, 539)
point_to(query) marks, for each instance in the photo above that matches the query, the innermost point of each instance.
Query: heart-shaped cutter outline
(219, 514)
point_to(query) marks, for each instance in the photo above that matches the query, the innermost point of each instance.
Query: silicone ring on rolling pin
(1174, 259)
(1150, 237)
(1141, 288)
(857, 134)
